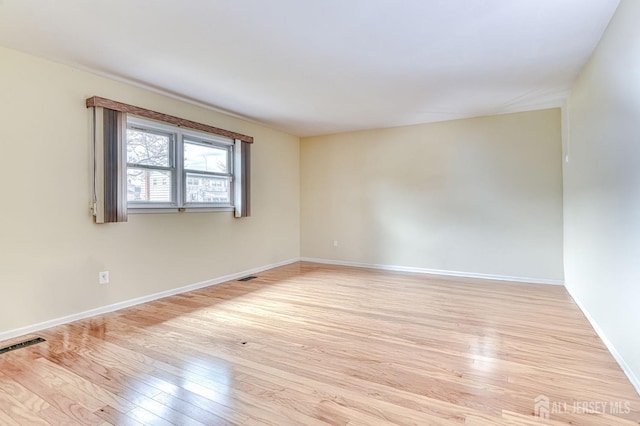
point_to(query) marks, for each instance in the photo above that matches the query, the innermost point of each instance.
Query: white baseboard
(434, 271)
(132, 302)
(635, 381)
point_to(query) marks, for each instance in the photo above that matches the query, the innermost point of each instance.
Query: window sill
(152, 210)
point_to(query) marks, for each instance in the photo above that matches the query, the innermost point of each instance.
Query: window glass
(148, 148)
(207, 189)
(205, 158)
(148, 185)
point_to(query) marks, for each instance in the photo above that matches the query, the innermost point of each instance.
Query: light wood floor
(310, 344)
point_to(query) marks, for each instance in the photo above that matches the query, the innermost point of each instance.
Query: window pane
(207, 189)
(205, 158)
(149, 149)
(148, 185)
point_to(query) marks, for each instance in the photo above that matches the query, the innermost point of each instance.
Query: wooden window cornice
(97, 101)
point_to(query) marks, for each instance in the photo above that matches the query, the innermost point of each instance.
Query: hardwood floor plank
(110, 379)
(26, 398)
(7, 419)
(49, 389)
(146, 417)
(19, 413)
(211, 416)
(26, 402)
(310, 344)
(91, 390)
(112, 416)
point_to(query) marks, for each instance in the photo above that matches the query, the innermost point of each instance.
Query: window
(150, 165)
(144, 160)
(169, 167)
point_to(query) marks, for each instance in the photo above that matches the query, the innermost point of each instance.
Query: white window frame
(179, 173)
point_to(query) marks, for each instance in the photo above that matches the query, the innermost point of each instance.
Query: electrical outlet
(103, 277)
(335, 243)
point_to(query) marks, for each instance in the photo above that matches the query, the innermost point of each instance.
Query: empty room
(322, 212)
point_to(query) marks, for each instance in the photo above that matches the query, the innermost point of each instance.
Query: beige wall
(602, 187)
(51, 252)
(480, 196)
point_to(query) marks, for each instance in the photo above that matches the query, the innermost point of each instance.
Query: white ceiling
(323, 66)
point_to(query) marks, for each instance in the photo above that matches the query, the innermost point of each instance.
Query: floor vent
(22, 345)
(249, 278)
